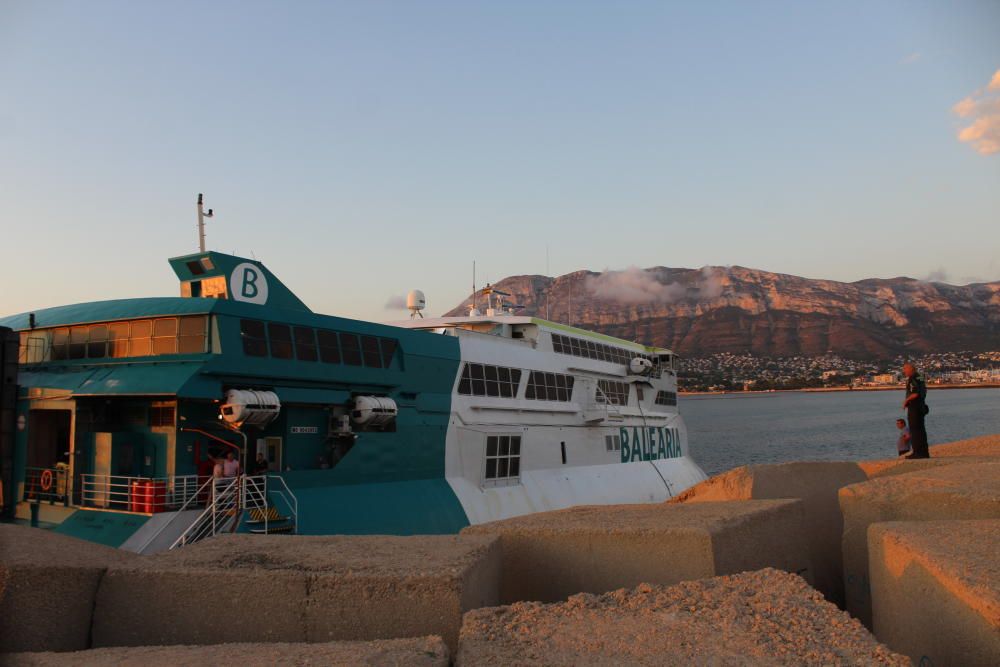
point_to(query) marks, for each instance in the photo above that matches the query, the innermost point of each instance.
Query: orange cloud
(982, 109)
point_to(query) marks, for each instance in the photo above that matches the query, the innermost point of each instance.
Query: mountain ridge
(736, 309)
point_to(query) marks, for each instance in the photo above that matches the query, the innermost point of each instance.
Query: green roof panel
(143, 379)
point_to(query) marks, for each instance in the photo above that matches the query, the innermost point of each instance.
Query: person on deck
(916, 409)
(260, 466)
(231, 466)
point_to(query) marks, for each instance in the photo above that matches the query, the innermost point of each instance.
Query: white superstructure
(546, 416)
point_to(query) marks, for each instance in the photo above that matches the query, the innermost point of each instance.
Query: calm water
(736, 429)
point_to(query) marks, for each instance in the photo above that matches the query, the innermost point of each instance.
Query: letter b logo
(247, 283)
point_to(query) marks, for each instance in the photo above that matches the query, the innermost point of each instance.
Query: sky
(363, 149)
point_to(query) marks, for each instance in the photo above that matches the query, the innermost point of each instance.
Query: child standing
(903, 443)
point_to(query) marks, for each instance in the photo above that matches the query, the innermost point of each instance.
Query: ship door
(48, 437)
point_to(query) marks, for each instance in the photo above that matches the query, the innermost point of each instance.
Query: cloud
(635, 286)
(910, 59)
(937, 276)
(396, 303)
(982, 111)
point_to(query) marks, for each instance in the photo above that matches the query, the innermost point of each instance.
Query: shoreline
(820, 390)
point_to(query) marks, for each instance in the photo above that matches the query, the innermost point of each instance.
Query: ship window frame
(281, 345)
(304, 341)
(371, 351)
(549, 386)
(350, 354)
(487, 380)
(502, 459)
(666, 398)
(607, 390)
(254, 345)
(328, 343)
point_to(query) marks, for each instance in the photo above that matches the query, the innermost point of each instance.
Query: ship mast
(201, 223)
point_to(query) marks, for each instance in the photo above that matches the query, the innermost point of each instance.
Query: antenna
(201, 223)
(475, 301)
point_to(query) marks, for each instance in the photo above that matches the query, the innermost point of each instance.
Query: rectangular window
(485, 380)
(118, 339)
(666, 398)
(161, 415)
(549, 387)
(192, 335)
(254, 338)
(351, 349)
(329, 346)
(370, 351)
(280, 336)
(305, 344)
(97, 347)
(612, 393)
(503, 458)
(165, 335)
(60, 343)
(78, 342)
(389, 346)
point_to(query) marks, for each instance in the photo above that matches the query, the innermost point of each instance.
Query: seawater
(730, 430)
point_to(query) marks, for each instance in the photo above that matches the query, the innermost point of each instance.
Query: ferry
(124, 412)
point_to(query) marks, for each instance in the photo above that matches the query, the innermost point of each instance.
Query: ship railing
(146, 495)
(49, 485)
(202, 493)
(277, 485)
(222, 513)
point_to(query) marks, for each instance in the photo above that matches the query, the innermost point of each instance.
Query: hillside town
(746, 372)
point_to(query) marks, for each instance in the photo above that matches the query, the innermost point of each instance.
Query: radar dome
(415, 301)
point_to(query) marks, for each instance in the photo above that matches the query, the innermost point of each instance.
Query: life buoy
(46, 480)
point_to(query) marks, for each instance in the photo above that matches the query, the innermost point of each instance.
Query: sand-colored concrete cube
(416, 651)
(984, 445)
(765, 617)
(240, 588)
(936, 590)
(961, 491)
(592, 549)
(816, 483)
(50, 583)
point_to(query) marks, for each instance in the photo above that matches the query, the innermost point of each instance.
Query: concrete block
(550, 555)
(764, 617)
(51, 581)
(816, 484)
(986, 445)
(241, 588)
(936, 590)
(959, 491)
(417, 651)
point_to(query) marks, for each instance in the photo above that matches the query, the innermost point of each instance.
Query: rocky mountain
(698, 312)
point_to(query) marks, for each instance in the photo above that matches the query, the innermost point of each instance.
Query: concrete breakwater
(722, 573)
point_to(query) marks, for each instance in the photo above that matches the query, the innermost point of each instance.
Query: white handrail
(202, 489)
(223, 497)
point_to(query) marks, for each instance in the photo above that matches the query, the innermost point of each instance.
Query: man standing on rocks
(916, 408)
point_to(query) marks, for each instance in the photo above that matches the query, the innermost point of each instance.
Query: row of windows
(549, 387)
(503, 457)
(132, 338)
(612, 392)
(486, 380)
(666, 398)
(588, 349)
(282, 341)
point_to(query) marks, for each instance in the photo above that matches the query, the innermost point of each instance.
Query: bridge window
(611, 392)
(97, 347)
(305, 344)
(388, 351)
(192, 334)
(280, 336)
(370, 350)
(351, 348)
(666, 398)
(141, 339)
(165, 335)
(588, 349)
(329, 346)
(544, 386)
(116, 340)
(503, 457)
(254, 335)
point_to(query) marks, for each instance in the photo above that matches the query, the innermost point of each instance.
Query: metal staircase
(246, 499)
